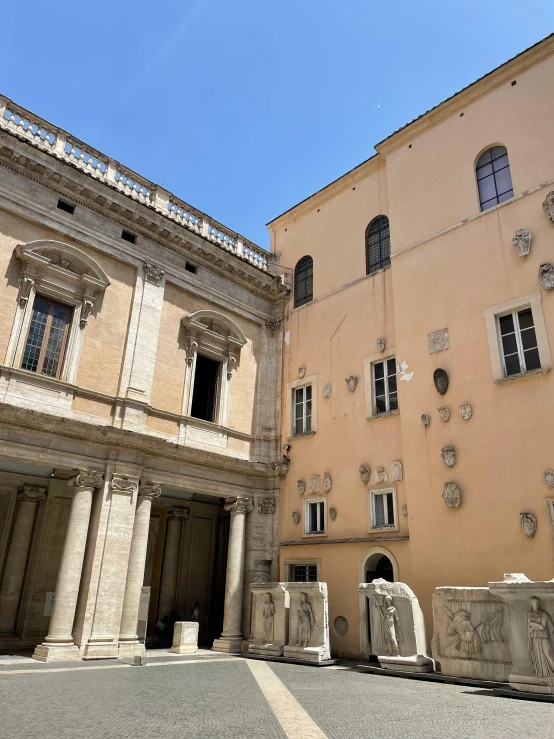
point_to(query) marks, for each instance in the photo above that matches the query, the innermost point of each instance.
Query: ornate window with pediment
(212, 344)
(59, 287)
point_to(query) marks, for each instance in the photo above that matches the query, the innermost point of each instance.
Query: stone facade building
(418, 397)
(139, 396)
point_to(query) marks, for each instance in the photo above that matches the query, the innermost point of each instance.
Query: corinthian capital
(86, 479)
(149, 489)
(153, 273)
(177, 513)
(240, 505)
(31, 494)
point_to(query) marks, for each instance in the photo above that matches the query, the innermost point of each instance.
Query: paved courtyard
(208, 695)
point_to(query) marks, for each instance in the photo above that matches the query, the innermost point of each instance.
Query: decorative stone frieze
(426, 420)
(546, 275)
(124, 483)
(267, 505)
(153, 273)
(397, 471)
(381, 344)
(365, 473)
(444, 413)
(240, 505)
(438, 341)
(301, 486)
(296, 517)
(332, 513)
(548, 205)
(452, 495)
(150, 489)
(315, 483)
(549, 478)
(522, 242)
(327, 390)
(381, 474)
(327, 482)
(466, 411)
(301, 372)
(440, 378)
(178, 513)
(351, 381)
(448, 455)
(31, 494)
(528, 523)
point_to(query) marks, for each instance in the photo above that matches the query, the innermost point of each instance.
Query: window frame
(304, 403)
(373, 493)
(291, 386)
(305, 562)
(217, 393)
(385, 378)
(46, 337)
(377, 225)
(368, 362)
(299, 278)
(321, 515)
(519, 344)
(493, 173)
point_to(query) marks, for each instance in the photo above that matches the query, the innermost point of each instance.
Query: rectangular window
(302, 402)
(47, 337)
(67, 207)
(385, 395)
(382, 509)
(204, 394)
(518, 342)
(315, 517)
(303, 573)
(128, 236)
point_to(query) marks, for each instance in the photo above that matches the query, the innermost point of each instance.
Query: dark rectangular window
(385, 394)
(204, 394)
(190, 268)
(303, 573)
(67, 207)
(302, 400)
(518, 341)
(47, 337)
(128, 236)
(316, 517)
(383, 510)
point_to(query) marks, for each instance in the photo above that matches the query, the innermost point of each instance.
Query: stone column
(58, 645)
(12, 583)
(129, 644)
(170, 567)
(231, 638)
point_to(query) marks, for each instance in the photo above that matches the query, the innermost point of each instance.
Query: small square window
(190, 268)
(302, 410)
(385, 393)
(128, 236)
(66, 207)
(518, 342)
(383, 509)
(303, 573)
(315, 516)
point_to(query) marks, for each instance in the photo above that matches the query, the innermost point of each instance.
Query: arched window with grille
(377, 245)
(493, 177)
(303, 281)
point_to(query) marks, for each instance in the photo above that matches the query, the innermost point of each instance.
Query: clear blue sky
(245, 107)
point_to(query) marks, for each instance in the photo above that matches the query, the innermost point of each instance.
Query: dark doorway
(383, 569)
(205, 388)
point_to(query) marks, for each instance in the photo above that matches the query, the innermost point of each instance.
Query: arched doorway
(375, 563)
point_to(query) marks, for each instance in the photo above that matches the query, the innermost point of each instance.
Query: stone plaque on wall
(439, 340)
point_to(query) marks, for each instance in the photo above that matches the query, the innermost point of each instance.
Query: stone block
(270, 611)
(470, 634)
(308, 622)
(397, 626)
(185, 637)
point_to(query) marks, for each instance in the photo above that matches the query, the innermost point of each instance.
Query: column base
(129, 650)
(230, 646)
(53, 653)
(101, 650)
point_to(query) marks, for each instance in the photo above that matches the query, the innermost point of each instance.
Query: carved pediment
(62, 261)
(215, 325)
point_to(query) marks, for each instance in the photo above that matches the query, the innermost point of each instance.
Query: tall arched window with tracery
(377, 245)
(303, 281)
(493, 177)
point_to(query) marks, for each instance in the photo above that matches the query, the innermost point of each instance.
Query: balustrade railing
(57, 142)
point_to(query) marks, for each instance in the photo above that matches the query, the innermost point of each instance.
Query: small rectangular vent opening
(190, 268)
(67, 207)
(128, 236)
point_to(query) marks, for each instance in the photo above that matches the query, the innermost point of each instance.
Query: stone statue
(301, 486)
(466, 411)
(522, 242)
(268, 613)
(306, 620)
(365, 473)
(397, 472)
(426, 420)
(451, 495)
(391, 632)
(440, 378)
(448, 456)
(528, 523)
(546, 275)
(548, 205)
(540, 639)
(444, 413)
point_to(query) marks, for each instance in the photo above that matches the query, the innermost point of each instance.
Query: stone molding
(31, 494)
(87, 479)
(153, 273)
(149, 489)
(240, 505)
(124, 483)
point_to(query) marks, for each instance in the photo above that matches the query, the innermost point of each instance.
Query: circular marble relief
(341, 626)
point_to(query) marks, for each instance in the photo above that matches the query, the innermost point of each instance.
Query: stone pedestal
(397, 626)
(470, 634)
(185, 637)
(270, 611)
(530, 607)
(308, 622)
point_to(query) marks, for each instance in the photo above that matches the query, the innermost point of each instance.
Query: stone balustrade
(57, 142)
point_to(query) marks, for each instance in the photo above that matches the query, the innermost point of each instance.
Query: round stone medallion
(341, 626)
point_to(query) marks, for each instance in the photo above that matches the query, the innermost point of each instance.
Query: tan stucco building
(416, 261)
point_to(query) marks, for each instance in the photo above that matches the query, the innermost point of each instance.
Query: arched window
(377, 245)
(493, 177)
(303, 281)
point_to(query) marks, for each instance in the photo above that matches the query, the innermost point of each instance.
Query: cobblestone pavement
(206, 698)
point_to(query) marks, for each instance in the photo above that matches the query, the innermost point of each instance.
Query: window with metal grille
(518, 342)
(493, 177)
(315, 516)
(385, 394)
(302, 408)
(377, 245)
(47, 337)
(382, 509)
(303, 573)
(303, 281)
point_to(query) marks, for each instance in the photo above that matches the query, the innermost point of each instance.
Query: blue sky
(245, 108)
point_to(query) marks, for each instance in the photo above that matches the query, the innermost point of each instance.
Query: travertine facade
(139, 402)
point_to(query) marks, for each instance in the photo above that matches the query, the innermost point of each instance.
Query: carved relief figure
(448, 456)
(391, 631)
(528, 523)
(306, 620)
(549, 478)
(404, 510)
(381, 474)
(267, 505)
(296, 517)
(540, 639)
(426, 420)
(438, 341)
(381, 344)
(466, 411)
(548, 205)
(327, 390)
(301, 372)
(327, 482)
(444, 413)
(351, 382)
(365, 473)
(314, 483)
(268, 613)
(333, 513)
(522, 242)
(397, 471)
(451, 495)
(440, 378)
(546, 275)
(301, 486)
(468, 638)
